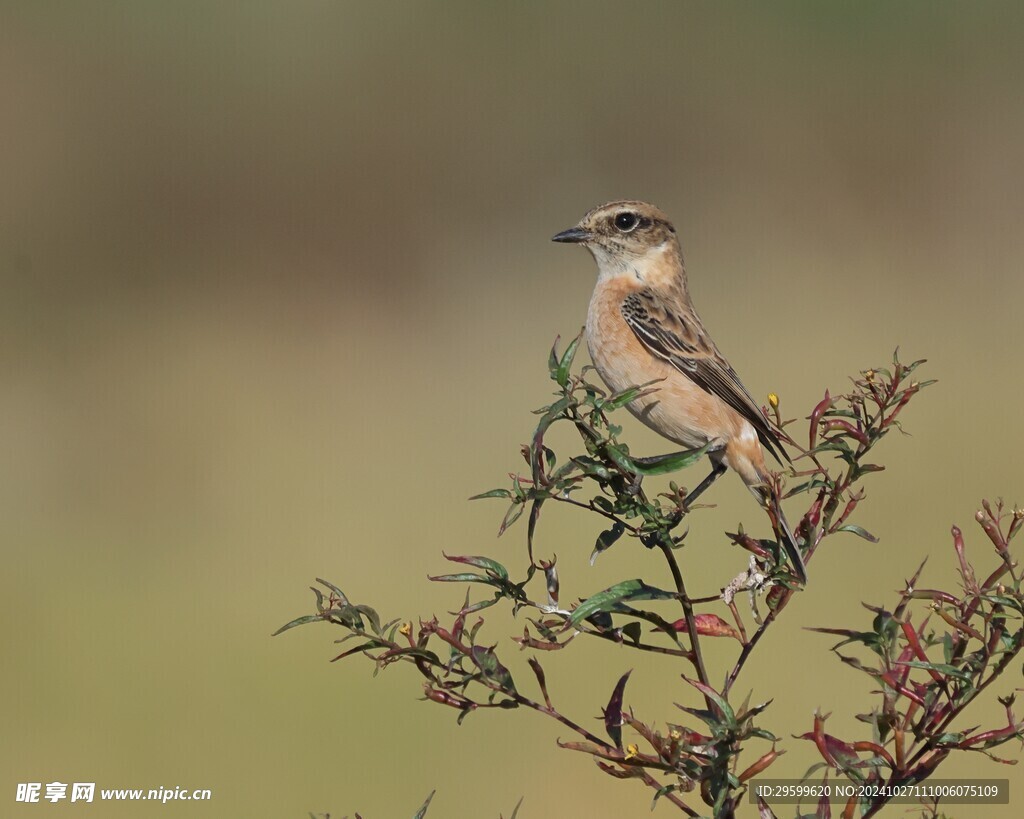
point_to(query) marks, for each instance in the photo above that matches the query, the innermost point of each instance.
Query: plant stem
(554, 714)
(691, 624)
(748, 647)
(647, 778)
(671, 797)
(674, 652)
(563, 499)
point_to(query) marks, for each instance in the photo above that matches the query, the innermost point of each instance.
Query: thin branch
(650, 781)
(691, 624)
(626, 643)
(748, 647)
(591, 508)
(550, 712)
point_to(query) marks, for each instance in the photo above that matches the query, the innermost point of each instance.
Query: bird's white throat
(612, 263)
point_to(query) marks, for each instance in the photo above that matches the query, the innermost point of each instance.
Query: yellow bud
(405, 629)
(773, 400)
(632, 751)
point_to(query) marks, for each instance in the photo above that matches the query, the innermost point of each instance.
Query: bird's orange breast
(677, 408)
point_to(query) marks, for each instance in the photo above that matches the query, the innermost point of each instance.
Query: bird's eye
(626, 221)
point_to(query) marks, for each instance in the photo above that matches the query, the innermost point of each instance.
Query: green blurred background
(277, 297)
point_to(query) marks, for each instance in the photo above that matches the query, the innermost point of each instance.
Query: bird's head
(624, 235)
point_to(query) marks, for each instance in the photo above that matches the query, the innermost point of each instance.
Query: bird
(642, 327)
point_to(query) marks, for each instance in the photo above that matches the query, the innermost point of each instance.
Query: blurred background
(278, 293)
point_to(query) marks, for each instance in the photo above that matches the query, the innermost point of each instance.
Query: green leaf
(531, 525)
(412, 651)
(868, 638)
(423, 808)
(620, 399)
(606, 540)
(1004, 601)
(565, 363)
(705, 716)
(486, 563)
(619, 456)
(726, 710)
(806, 486)
(359, 648)
(461, 577)
(944, 669)
(370, 615)
(550, 457)
(553, 359)
(611, 598)
(747, 713)
(348, 614)
(657, 465)
(547, 633)
(633, 631)
(511, 516)
(483, 604)
(831, 445)
(337, 592)
(563, 476)
(504, 587)
(494, 493)
(552, 412)
(487, 661)
(663, 464)
(664, 789)
(299, 621)
(885, 625)
(860, 532)
(836, 411)
(592, 467)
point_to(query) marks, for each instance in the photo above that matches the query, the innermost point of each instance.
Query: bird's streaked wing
(677, 336)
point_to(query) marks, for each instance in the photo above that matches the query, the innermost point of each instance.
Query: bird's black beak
(574, 235)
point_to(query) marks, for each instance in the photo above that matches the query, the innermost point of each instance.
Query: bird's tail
(792, 550)
(789, 544)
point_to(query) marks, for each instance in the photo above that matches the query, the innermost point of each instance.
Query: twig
(691, 624)
(748, 647)
(591, 508)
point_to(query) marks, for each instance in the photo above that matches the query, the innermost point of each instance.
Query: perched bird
(642, 327)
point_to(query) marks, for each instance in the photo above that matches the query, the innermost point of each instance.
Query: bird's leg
(717, 470)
